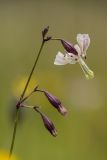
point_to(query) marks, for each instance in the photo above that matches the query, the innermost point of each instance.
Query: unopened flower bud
(56, 103)
(49, 125)
(61, 109)
(69, 47)
(45, 31)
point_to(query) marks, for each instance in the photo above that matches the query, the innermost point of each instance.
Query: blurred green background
(82, 135)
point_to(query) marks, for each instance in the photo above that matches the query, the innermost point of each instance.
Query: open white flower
(75, 53)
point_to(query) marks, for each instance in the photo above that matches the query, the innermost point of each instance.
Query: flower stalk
(23, 94)
(73, 54)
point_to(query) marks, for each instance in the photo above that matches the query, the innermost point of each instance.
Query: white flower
(75, 53)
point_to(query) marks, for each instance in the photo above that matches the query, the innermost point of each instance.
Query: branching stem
(21, 99)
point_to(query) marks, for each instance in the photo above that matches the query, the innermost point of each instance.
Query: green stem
(14, 134)
(22, 95)
(29, 78)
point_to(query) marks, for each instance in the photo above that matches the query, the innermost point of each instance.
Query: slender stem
(21, 97)
(38, 90)
(25, 106)
(29, 78)
(24, 99)
(30, 94)
(58, 39)
(36, 108)
(14, 134)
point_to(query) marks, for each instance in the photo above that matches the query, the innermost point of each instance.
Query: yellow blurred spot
(19, 84)
(5, 156)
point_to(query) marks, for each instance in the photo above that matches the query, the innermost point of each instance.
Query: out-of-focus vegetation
(83, 133)
(4, 155)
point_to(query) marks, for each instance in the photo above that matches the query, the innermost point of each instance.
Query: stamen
(89, 74)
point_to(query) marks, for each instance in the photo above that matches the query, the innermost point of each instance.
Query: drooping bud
(49, 125)
(69, 47)
(45, 31)
(47, 122)
(61, 109)
(56, 103)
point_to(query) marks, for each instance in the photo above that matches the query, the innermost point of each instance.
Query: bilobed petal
(60, 59)
(83, 41)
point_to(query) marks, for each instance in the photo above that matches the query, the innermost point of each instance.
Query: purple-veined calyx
(56, 103)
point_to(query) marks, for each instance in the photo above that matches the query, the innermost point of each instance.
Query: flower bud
(45, 31)
(69, 47)
(56, 103)
(61, 109)
(49, 125)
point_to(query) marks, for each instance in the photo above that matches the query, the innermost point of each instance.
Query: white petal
(60, 59)
(71, 58)
(83, 41)
(78, 49)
